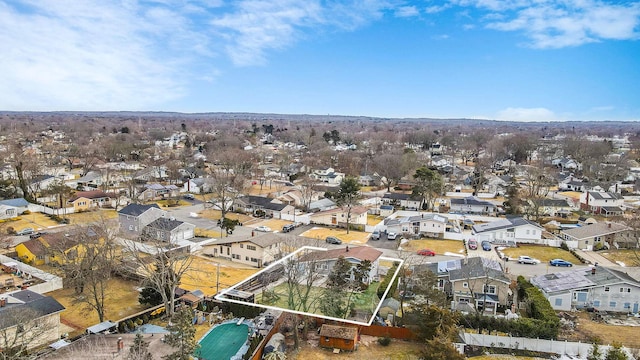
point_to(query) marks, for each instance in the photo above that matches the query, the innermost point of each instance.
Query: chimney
(593, 270)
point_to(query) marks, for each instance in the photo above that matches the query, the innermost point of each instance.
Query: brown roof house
(339, 337)
(324, 261)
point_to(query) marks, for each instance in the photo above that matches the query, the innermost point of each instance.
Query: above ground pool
(224, 342)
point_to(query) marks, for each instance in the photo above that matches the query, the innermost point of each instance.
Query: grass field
(273, 224)
(374, 219)
(353, 237)
(542, 253)
(92, 216)
(439, 246)
(122, 300)
(203, 275)
(212, 214)
(37, 221)
(588, 330)
(366, 300)
(628, 257)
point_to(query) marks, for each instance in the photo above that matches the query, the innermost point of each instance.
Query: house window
(251, 247)
(130, 227)
(606, 288)
(490, 289)
(558, 302)
(246, 258)
(596, 303)
(465, 285)
(254, 260)
(627, 305)
(528, 231)
(612, 304)
(241, 246)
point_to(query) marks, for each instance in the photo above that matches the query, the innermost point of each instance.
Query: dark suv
(288, 228)
(333, 240)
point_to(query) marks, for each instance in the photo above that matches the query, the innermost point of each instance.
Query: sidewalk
(593, 257)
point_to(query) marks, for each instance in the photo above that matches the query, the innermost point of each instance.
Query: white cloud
(407, 11)
(526, 114)
(561, 23)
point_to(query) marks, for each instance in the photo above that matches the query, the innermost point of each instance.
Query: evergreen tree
(182, 335)
(139, 350)
(616, 353)
(595, 353)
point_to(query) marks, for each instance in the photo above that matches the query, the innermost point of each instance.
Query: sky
(517, 60)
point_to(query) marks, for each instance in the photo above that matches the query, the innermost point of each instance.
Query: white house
(257, 251)
(601, 202)
(327, 175)
(325, 260)
(338, 217)
(472, 205)
(430, 225)
(598, 287)
(517, 230)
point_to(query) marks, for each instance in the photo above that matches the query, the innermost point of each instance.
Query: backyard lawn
(353, 237)
(373, 220)
(91, 216)
(368, 349)
(37, 221)
(439, 246)
(213, 214)
(122, 300)
(365, 301)
(203, 275)
(628, 257)
(542, 253)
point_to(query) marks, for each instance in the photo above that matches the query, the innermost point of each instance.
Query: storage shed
(339, 337)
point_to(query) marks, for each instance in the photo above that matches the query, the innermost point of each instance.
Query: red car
(426, 252)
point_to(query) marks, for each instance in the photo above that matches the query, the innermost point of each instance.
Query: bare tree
(21, 329)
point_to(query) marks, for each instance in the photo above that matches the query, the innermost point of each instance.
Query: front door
(635, 308)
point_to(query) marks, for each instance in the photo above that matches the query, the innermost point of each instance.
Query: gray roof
(502, 224)
(165, 224)
(263, 239)
(597, 229)
(478, 267)
(136, 209)
(418, 218)
(26, 302)
(581, 278)
(605, 195)
(553, 202)
(19, 202)
(263, 202)
(471, 200)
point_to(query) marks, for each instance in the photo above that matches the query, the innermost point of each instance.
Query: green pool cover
(222, 342)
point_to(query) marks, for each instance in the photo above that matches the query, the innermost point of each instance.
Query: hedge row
(523, 327)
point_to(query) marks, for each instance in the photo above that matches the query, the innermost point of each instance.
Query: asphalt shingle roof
(136, 209)
(597, 229)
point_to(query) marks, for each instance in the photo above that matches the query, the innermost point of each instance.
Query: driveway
(593, 257)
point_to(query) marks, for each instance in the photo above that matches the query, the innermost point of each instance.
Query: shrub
(599, 246)
(384, 341)
(11, 230)
(26, 212)
(564, 246)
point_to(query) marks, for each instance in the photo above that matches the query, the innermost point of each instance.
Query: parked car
(486, 246)
(36, 235)
(333, 240)
(392, 236)
(472, 244)
(189, 196)
(263, 228)
(426, 252)
(375, 235)
(26, 231)
(523, 259)
(560, 262)
(288, 227)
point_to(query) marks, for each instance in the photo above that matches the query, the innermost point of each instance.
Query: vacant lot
(92, 216)
(203, 275)
(122, 300)
(628, 257)
(212, 214)
(542, 253)
(439, 246)
(353, 237)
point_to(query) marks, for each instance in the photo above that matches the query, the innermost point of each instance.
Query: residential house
(327, 175)
(603, 288)
(8, 212)
(134, 217)
(406, 201)
(259, 250)
(168, 230)
(255, 204)
(91, 180)
(53, 248)
(601, 202)
(33, 252)
(88, 200)
(338, 337)
(20, 204)
(567, 163)
(472, 205)
(369, 180)
(553, 207)
(322, 205)
(604, 234)
(324, 261)
(338, 217)
(152, 173)
(158, 192)
(479, 281)
(192, 298)
(197, 186)
(508, 231)
(41, 183)
(29, 318)
(429, 225)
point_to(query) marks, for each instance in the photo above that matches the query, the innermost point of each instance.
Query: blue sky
(523, 60)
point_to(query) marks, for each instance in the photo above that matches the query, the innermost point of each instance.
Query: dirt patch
(353, 237)
(212, 214)
(368, 348)
(587, 330)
